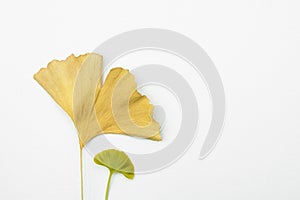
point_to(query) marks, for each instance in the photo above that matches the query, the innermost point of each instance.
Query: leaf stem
(108, 184)
(81, 173)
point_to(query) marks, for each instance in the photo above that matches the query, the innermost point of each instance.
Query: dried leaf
(116, 107)
(121, 109)
(58, 79)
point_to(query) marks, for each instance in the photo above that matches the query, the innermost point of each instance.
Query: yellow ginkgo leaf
(117, 107)
(73, 84)
(121, 109)
(58, 79)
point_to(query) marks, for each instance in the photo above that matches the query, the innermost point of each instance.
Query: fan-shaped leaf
(117, 161)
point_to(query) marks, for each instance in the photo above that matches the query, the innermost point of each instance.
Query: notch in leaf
(116, 162)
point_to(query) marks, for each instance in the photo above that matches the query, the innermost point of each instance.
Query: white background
(255, 45)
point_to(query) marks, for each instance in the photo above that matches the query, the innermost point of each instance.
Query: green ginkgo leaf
(117, 162)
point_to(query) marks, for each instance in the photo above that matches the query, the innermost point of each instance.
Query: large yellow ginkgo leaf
(58, 79)
(115, 107)
(121, 109)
